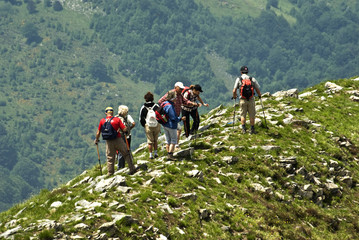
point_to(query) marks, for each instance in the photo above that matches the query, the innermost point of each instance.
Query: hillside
(296, 179)
(63, 62)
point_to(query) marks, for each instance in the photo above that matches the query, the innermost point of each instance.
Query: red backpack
(185, 90)
(247, 91)
(161, 115)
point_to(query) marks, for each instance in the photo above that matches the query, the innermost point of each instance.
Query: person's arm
(235, 88)
(98, 133)
(185, 101)
(143, 115)
(97, 137)
(130, 119)
(201, 101)
(162, 99)
(256, 87)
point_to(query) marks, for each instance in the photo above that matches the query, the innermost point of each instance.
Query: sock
(155, 152)
(244, 126)
(151, 155)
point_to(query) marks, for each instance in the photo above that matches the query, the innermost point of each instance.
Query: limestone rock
(10, 232)
(188, 196)
(56, 204)
(109, 183)
(332, 87)
(289, 93)
(230, 159)
(196, 174)
(184, 153)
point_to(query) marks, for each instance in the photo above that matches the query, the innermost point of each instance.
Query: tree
(30, 31)
(47, 3)
(57, 6)
(31, 7)
(98, 70)
(273, 3)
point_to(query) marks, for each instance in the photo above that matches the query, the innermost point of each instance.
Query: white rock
(10, 232)
(332, 87)
(81, 226)
(56, 204)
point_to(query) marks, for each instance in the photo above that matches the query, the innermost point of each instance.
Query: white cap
(179, 84)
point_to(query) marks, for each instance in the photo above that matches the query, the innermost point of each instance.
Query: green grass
(237, 210)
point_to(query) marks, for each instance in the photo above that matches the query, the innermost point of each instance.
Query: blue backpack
(108, 132)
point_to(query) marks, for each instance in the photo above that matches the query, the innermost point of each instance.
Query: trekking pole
(263, 113)
(234, 111)
(99, 161)
(128, 149)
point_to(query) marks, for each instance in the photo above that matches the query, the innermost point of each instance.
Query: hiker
(177, 105)
(148, 121)
(109, 127)
(246, 86)
(192, 94)
(129, 123)
(170, 127)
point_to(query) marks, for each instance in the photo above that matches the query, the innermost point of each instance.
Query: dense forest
(62, 63)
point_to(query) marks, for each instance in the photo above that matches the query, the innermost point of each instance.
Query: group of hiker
(172, 110)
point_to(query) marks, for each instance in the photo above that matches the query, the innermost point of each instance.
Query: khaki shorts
(152, 133)
(248, 106)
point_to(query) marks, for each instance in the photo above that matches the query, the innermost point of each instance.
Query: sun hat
(179, 84)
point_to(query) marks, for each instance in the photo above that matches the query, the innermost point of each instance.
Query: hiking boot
(133, 171)
(156, 155)
(253, 131)
(170, 157)
(244, 131)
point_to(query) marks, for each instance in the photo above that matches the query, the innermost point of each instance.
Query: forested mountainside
(296, 179)
(63, 62)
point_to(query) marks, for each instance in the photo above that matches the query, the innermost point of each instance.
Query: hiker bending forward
(180, 100)
(192, 94)
(116, 144)
(247, 103)
(152, 129)
(170, 127)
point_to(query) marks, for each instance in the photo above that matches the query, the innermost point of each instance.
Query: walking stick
(99, 161)
(263, 113)
(128, 149)
(234, 111)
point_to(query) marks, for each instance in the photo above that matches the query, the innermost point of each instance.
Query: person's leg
(252, 115)
(172, 143)
(121, 160)
(111, 156)
(244, 107)
(195, 117)
(186, 122)
(122, 147)
(149, 136)
(156, 133)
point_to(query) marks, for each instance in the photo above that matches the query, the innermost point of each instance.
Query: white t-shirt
(238, 83)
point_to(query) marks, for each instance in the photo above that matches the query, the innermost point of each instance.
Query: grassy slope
(59, 87)
(237, 210)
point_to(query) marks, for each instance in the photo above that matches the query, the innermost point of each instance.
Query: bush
(57, 6)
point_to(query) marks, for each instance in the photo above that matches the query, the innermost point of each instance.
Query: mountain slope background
(63, 62)
(296, 179)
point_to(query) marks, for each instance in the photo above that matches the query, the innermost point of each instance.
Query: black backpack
(108, 132)
(247, 91)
